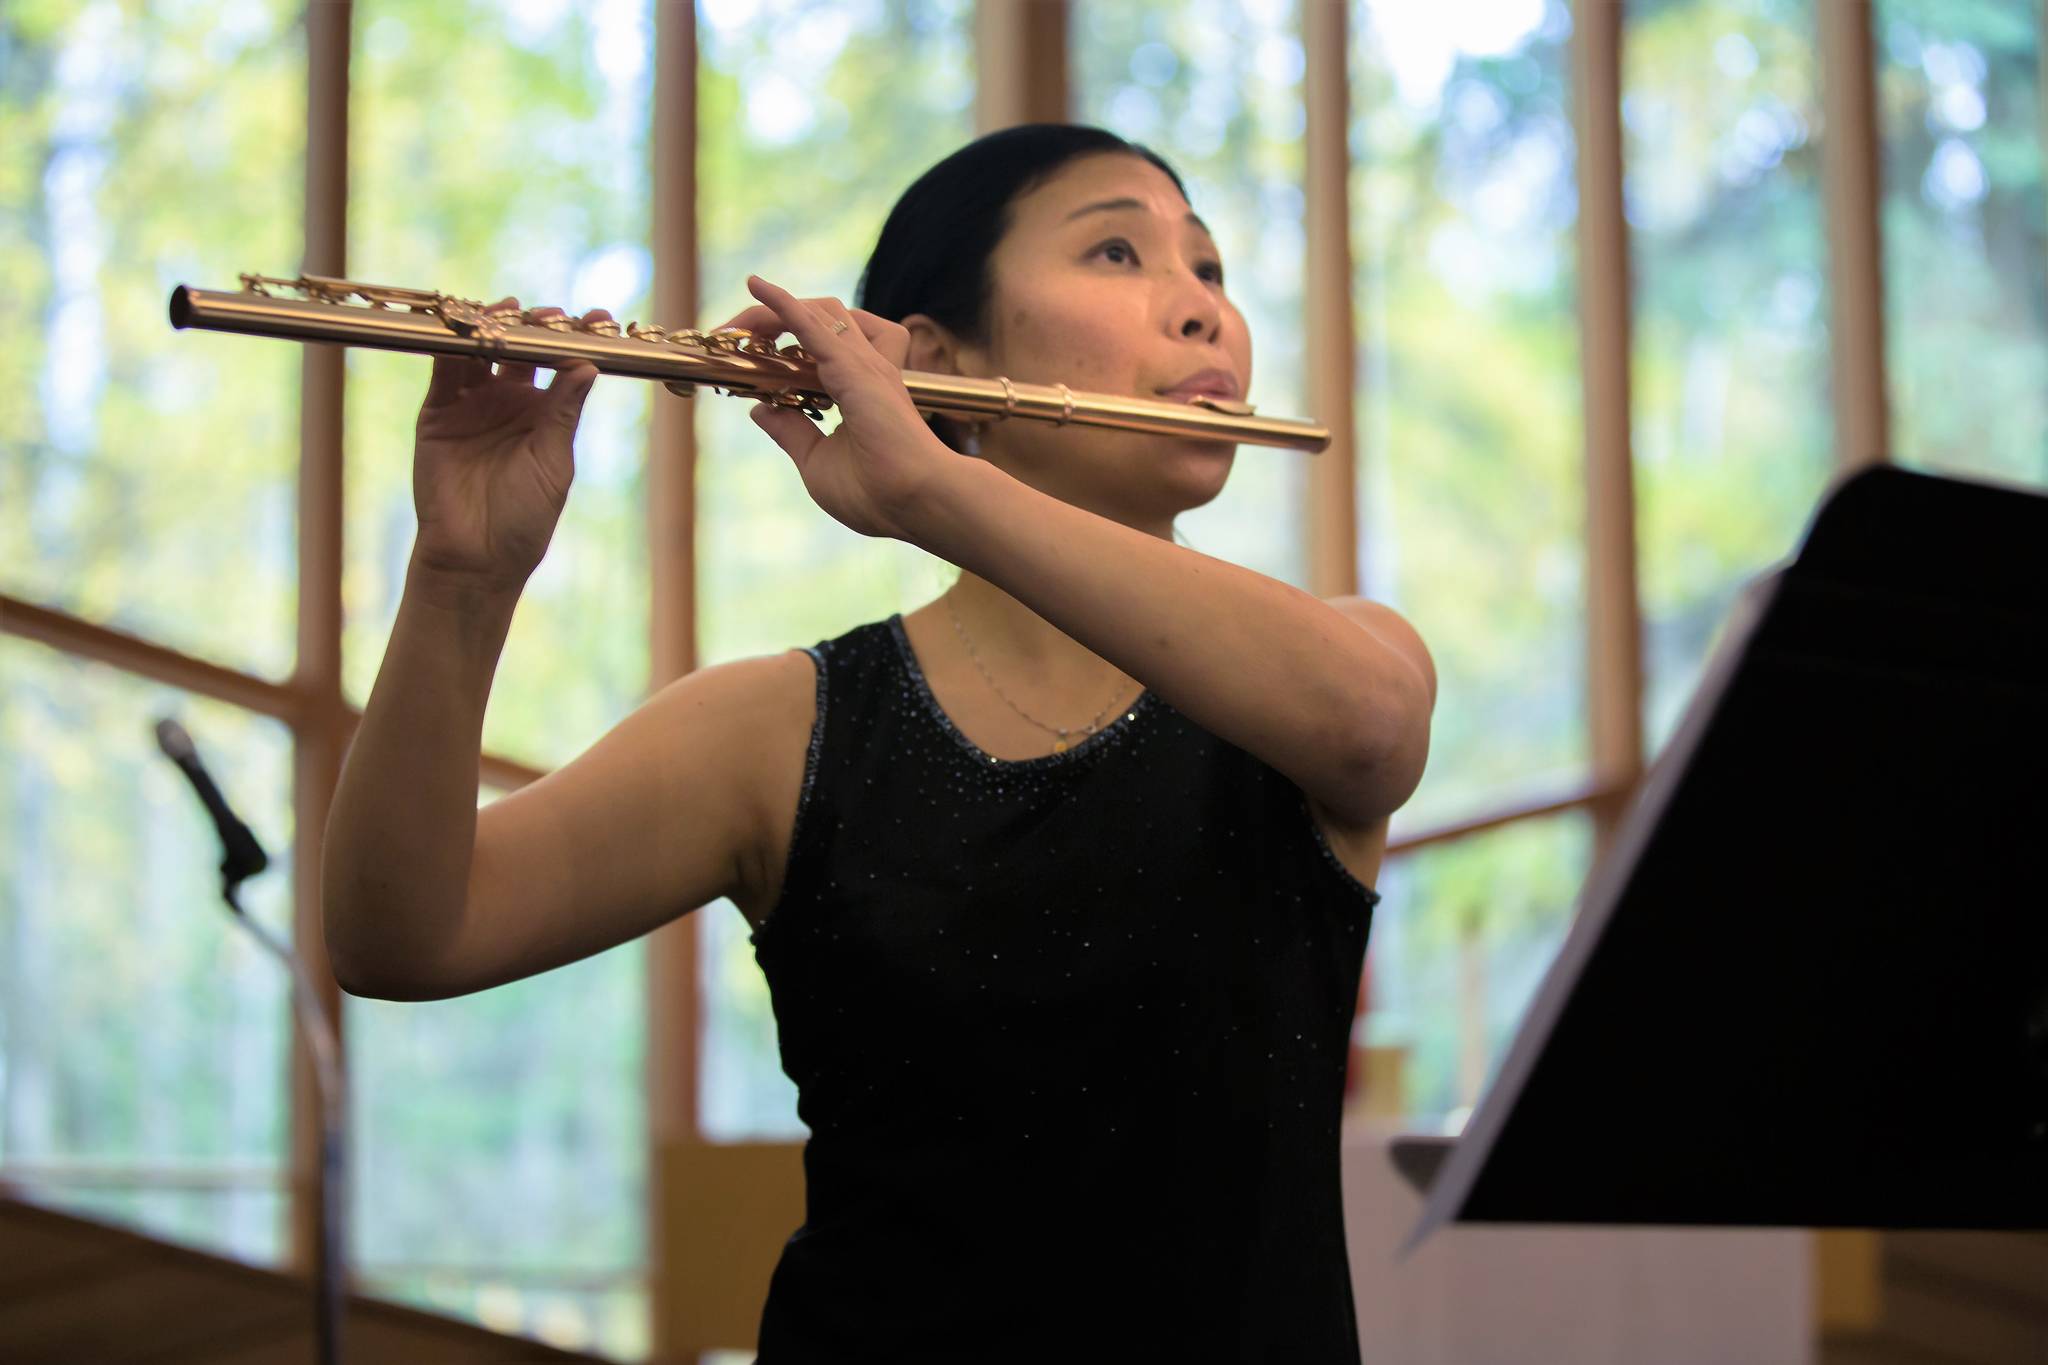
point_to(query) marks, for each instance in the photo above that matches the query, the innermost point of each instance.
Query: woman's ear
(933, 347)
(935, 350)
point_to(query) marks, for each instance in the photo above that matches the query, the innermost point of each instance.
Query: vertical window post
(1331, 488)
(1614, 667)
(1020, 63)
(320, 729)
(673, 1036)
(1849, 172)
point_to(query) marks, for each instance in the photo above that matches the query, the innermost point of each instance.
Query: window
(141, 1036)
(1470, 435)
(141, 152)
(539, 188)
(804, 147)
(1966, 287)
(1733, 435)
(142, 1032)
(1460, 940)
(499, 1154)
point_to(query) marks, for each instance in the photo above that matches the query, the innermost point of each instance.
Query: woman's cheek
(1076, 340)
(1105, 354)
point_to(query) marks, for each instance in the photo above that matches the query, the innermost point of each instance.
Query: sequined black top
(1069, 1034)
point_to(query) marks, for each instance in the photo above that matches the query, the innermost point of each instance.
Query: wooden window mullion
(1849, 174)
(1329, 337)
(1614, 667)
(674, 1042)
(319, 733)
(1021, 63)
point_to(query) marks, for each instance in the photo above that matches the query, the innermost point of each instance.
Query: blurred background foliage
(146, 482)
(1468, 392)
(142, 149)
(1965, 232)
(1733, 433)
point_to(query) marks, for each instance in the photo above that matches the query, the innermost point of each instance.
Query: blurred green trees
(141, 150)
(1965, 236)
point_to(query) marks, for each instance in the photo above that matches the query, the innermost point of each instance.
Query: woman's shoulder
(792, 674)
(781, 700)
(774, 698)
(777, 701)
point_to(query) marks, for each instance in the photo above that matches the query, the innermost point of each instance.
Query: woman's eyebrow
(1109, 204)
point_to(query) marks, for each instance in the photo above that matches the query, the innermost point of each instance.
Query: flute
(725, 360)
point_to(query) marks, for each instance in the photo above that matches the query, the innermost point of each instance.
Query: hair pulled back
(934, 250)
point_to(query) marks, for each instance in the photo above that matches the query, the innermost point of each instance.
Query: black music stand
(1809, 984)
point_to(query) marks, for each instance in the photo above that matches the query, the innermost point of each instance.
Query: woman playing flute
(1061, 883)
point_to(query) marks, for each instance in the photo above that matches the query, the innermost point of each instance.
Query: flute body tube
(388, 318)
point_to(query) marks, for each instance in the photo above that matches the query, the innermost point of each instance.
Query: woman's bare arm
(426, 897)
(422, 896)
(1339, 706)
(396, 857)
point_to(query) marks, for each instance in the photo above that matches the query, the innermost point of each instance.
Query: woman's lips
(1205, 384)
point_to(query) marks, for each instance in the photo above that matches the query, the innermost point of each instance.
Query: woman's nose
(1196, 309)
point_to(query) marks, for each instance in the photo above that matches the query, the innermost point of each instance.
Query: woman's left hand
(873, 471)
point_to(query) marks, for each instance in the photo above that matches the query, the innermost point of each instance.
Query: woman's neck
(1011, 639)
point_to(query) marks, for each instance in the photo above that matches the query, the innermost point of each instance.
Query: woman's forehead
(1086, 186)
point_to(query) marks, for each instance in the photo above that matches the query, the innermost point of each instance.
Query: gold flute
(726, 360)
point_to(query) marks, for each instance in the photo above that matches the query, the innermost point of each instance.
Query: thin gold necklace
(1059, 733)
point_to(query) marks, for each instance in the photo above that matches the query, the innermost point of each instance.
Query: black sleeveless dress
(1069, 1034)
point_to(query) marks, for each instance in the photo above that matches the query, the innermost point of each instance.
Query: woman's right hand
(492, 462)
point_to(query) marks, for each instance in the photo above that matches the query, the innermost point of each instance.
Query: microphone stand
(329, 1250)
(243, 857)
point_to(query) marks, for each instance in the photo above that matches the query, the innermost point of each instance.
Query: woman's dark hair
(933, 254)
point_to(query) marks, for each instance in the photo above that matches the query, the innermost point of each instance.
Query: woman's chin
(1204, 461)
(1195, 470)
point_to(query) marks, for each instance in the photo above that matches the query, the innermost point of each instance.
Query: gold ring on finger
(840, 326)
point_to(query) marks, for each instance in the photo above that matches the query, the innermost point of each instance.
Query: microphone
(243, 856)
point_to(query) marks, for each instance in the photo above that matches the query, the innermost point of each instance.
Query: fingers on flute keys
(454, 375)
(889, 338)
(757, 318)
(520, 372)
